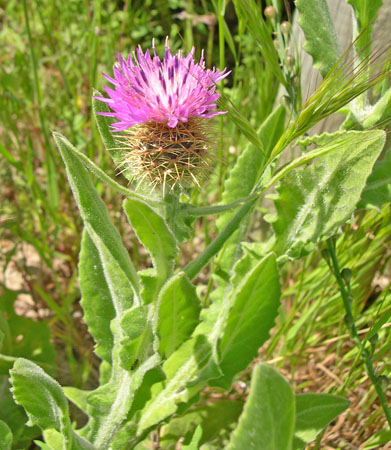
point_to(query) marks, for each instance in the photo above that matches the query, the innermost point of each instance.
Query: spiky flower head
(162, 106)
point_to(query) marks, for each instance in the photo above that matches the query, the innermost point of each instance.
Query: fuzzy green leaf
(314, 201)
(314, 412)
(5, 436)
(321, 37)
(179, 309)
(133, 324)
(255, 305)
(378, 188)
(95, 214)
(154, 234)
(41, 396)
(268, 418)
(380, 113)
(77, 396)
(96, 298)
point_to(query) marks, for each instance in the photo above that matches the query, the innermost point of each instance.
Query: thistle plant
(163, 105)
(161, 339)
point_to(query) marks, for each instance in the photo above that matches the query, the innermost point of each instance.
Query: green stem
(195, 266)
(353, 331)
(206, 210)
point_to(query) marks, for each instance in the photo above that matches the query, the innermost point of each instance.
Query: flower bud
(270, 12)
(289, 61)
(286, 27)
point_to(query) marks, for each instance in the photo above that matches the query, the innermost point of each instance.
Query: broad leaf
(154, 235)
(136, 331)
(313, 202)
(255, 305)
(268, 418)
(314, 412)
(41, 396)
(321, 39)
(179, 309)
(378, 188)
(96, 298)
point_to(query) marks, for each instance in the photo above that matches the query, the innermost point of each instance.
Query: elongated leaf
(268, 418)
(179, 309)
(94, 211)
(154, 234)
(321, 38)
(121, 289)
(42, 398)
(314, 201)
(96, 298)
(255, 305)
(314, 412)
(378, 188)
(5, 436)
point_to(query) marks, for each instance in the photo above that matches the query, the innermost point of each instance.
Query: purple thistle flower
(168, 91)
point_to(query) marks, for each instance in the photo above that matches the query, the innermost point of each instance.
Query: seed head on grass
(162, 108)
